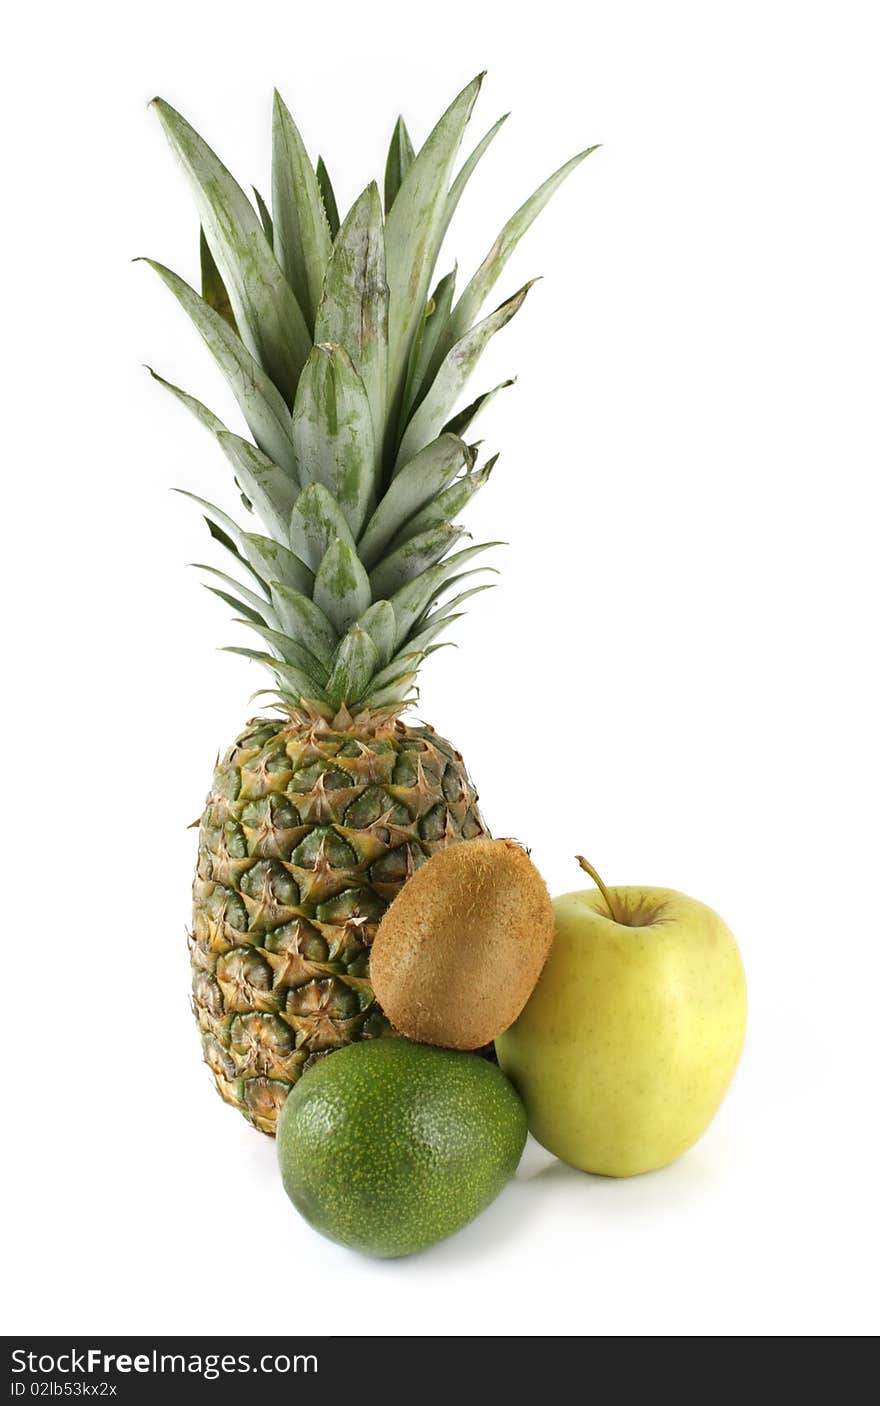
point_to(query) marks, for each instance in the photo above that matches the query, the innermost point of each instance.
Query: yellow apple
(628, 1043)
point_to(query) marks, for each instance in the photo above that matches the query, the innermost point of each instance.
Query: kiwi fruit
(459, 951)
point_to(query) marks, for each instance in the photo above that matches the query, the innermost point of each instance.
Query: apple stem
(587, 866)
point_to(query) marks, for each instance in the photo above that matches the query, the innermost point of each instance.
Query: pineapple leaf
(413, 599)
(400, 157)
(291, 651)
(457, 188)
(448, 611)
(412, 558)
(265, 308)
(381, 626)
(436, 626)
(447, 505)
(306, 622)
(257, 604)
(354, 309)
(316, 521)
(414, 231)
(468, 306)
(213, 288)
(432, 323)
(392, 696)
(356, 662)
(342, 588)
(430, 612)
(267, 416)
(265, 217)
(204, 416)
(349, 376)
(292, 681)
(250, 616)
(273, 560)
(461, 423)
(224, 531)
(269, 693)
(268, 487)
(263, 557)
(453, 375)
(407, 661)
(301, 233)
(416, 484)
(226, 541)
(333, 432)
(325, 185)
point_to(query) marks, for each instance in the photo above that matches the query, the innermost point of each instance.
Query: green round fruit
(388, 1147)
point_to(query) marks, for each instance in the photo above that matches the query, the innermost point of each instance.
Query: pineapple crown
(348, 375)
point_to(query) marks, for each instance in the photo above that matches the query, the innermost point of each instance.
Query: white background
(676, 676)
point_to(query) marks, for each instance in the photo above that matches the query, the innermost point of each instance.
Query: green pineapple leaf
(267, 416)
(292, 682)
(342, 588)
(252, 616)
(213, 288)
(325, 185)
(411, 558)
(263, 557)
(265, 217)
(301, 232)
(449, 584)
(354, 309)
(446, 505)
(265, 308)
(453, 375)
(461, 423)
(304, 621)
(413, 599)
(349, 376)
(417, 483)
(395, 696)
(273, 561)
(280, 704)
(468, 306)
(433, 321)
(356, 662)
(457, 188)
(263, 609)
(400, 157)
(316, 521)
(226, 541)
(333, 432)
(449, 610)
(422, 641)
(414, 231)
(268, 487)
(403, 664)
(381, 626)
(204, 416)
(291, 651)
(225, 531)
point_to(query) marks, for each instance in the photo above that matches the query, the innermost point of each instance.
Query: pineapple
(348, 376)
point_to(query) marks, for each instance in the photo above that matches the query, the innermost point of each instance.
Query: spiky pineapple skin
(309, 831)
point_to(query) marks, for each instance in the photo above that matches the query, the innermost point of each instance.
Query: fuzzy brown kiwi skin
(459, 951)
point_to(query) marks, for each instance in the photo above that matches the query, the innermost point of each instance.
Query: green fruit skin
(626, 1046)
(388, 1147)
